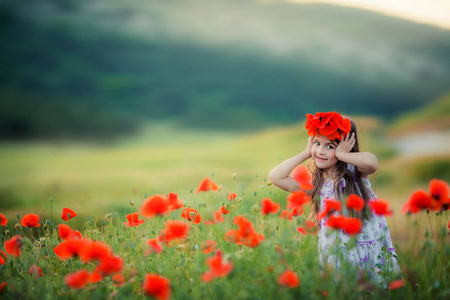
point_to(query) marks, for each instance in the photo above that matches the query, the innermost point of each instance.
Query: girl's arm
(365, 162)
(279, 176)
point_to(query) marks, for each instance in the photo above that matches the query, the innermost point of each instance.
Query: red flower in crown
(329, 124)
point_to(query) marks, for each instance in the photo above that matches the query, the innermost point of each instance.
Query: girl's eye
(316, 143)
(330, 147)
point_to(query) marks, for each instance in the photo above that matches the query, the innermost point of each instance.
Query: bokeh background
(107, 101)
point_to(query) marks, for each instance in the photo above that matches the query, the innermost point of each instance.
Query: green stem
(431, 226)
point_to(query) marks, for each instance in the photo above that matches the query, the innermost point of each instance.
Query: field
(99, 181)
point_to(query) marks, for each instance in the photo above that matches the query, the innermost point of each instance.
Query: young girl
(339, 170)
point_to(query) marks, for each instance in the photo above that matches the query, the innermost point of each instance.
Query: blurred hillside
(96, 69)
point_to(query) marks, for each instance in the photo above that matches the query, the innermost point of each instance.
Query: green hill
(83, 69)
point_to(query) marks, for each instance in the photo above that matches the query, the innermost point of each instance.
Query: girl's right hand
(309, 146)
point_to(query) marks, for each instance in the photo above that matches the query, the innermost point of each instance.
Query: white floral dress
(373, 252)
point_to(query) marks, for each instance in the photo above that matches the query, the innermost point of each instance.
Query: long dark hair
(353, 182)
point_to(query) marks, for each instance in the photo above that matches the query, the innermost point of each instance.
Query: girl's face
(323, 152)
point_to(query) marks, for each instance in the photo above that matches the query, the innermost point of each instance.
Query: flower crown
(329, 124)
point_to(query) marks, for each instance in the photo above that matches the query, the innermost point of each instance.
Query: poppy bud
(234, 176)
(130, 202)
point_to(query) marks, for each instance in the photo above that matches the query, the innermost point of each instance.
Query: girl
(339, 170)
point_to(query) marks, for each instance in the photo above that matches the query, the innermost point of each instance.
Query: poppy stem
(431, 226)
(418, 231)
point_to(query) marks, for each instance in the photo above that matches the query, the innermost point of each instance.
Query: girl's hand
(346, 144)
(309, 146)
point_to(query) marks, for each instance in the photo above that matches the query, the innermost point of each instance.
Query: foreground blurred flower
(66, 233)
(174, 230)
(302, 175)
(13, 245)
(3, 220)
(232, 196)
(207, 185)
(155, 205)
(2, 257)
(289, 279)
(118, 280)
(30, 220)
(269, 207)
(285, 214)
(155, 246)
(156, 286)
(330, 206)
(110, 265)
(355, 202)
(396, 284)
(77, 280)
(336, 222)
(310, 227)
(133, 220)
(297, 200)
(352, 226)
(208, 246)
(217, 268)
(69, 248)
(437, 198)
(3, 286)
(35, 271)
(95, 251)
(245, 235)
(174, 202)
(380, 207)
(191, 214)
(68, 214)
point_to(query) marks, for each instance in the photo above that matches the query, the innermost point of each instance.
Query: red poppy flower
(156, 286)
(2, 257)
(269, 207)
(245, 235)
(209, 222)
(3, 220)
(68, 214)
(448, 225)
(110, 265)
(35, 271)
(298, 211)
(297, 199)
(70, 248)
(419, 200)
(13, 245)
(155, 205)
(95, 277)
(396, 284)
(95, 250)
(174, 230)
(285, 214)
(155, 246)
(352, 226)
(118, 280)
(380, 207)
(217, 217)
(336, 222)
(217, 268)
(208, 246)
(289, 279)
(330, 206)
(207, 185)
(77, 234)
(174, 202)
(191, 214)
(133, 220)
(232, 196)
(30, 220)
(302, 175)
(65, 232)
(223, 210)
(355, 202)
(439, 191)
(310, 227)
(3, 286)
(329, 124)
(77, 280)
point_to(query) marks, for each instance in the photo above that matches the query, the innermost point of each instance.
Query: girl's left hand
(346, 144)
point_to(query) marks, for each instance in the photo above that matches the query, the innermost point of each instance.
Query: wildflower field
(226, 237)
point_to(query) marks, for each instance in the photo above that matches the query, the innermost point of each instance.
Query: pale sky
(435, 12)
